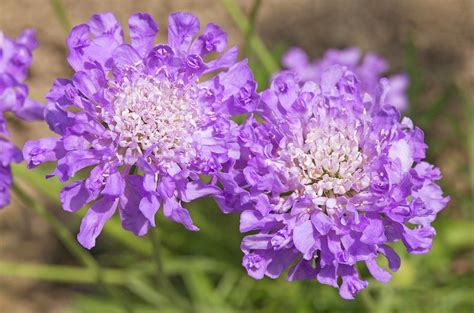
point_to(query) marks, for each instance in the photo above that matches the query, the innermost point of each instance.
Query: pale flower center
(156, 114)
(329, 163)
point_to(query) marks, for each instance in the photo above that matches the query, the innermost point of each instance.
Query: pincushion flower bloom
(143, 120)
(368, 69)
(15, 59)
(330, 179)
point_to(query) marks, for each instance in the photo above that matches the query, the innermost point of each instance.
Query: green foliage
(201, 272)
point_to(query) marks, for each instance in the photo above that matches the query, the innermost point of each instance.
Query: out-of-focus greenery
(202, 271)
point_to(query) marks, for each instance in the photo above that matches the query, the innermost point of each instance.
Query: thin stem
(60, 273)
(255, 42)
(51, 188)
(61, 232)
(71, 244)
(81, 275)
(162, 280)
(469, 107)
(61, 14)
(252, 20)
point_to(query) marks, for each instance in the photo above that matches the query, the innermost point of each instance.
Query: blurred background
(432, 41)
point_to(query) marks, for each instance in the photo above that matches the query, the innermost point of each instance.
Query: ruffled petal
(41, 151)
(181, 29)
(105, 24)
(172, 209)
(303, 270)
(198, 189)
(95, 219)
(136, 216)
(114, 185)
(280, 262)
(28, 38)
(418, 240)
(351, 283)
(304, 239)
(255, 264)
(9, 153)
(143, 30)
(374, 233)
(31, 110)
(74, 196)
(73, 162)
(394, 261)
(77, 40)
(256, 242)
(377, 272)
(213, 39)
(295, 58)
(5, 185)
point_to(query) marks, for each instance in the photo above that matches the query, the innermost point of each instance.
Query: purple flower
(15, 59)
(144, 119)
(368, 70)
(329, 179)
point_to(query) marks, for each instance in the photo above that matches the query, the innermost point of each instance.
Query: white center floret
(329, 163)
(155, 113)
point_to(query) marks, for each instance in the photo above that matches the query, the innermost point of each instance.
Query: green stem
(51, 187)
(71, 244)
(61, 14)
(60, 273)
(59, 229)
(160, 274)
(252, 20)
(469, 107)
(255, 42)
(81, 275)
(162, 280)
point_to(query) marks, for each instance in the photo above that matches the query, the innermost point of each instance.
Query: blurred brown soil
(442, 32)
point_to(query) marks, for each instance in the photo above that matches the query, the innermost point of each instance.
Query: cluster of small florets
(141, 116)
(369, 70)
(329, 179)
(324, 171)
(15, 59)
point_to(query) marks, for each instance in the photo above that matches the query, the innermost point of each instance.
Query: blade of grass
(60, 273)
(227, 284)
(70, 243)
(59, 229)
(252, 21)
(161, 278)
(146, 292)
(51, 188)
(80, 275)
(255, 42)
(61, 14)
(469, 108)
(202, 291)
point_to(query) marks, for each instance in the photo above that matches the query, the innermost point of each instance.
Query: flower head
(15, 59)
(369, 71)
(329, 179)
(144, 119)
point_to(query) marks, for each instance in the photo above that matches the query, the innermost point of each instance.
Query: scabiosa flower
(329, 179)
(369, 71)
(143, 119)
(15, 59)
